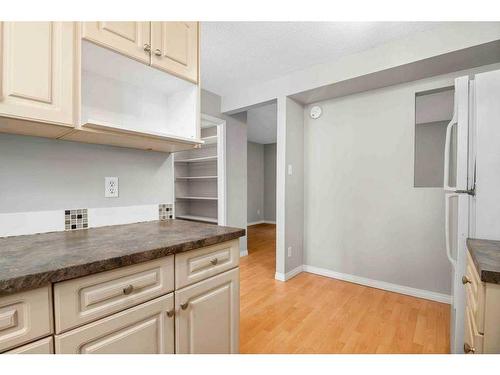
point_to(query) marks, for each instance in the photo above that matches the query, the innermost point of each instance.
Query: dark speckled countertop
(28, 262)
(486, 257)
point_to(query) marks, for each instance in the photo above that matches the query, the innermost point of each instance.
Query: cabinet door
(129, 38)
(37, 62)
(207, 318)
(43, 346)
(144, 329)
(174, 47)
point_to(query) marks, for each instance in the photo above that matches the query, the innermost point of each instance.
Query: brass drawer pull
(465, 280)
(129, 289)
(469, 349)
(214, 261)
(170, 313)
(184, 306)
(157, 52)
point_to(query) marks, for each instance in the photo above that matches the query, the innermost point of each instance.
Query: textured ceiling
(241, 54)
(262, 124)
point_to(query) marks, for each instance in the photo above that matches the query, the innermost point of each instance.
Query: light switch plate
(111, 187)
(289, 251)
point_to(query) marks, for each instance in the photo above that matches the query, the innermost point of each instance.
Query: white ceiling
(242, 54)
(262, 124)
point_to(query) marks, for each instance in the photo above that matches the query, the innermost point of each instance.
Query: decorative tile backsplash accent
(166, 211)
(76, 219)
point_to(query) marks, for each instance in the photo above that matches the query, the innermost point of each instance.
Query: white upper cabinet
(129, 38)
(37, 74)
(174, 48)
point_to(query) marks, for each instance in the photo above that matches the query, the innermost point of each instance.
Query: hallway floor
(316, 314)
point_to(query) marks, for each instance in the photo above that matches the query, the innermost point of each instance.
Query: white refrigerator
(471, 181)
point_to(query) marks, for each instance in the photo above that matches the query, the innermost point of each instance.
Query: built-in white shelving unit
(199, 176)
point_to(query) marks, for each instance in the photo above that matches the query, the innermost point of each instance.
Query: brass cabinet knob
(465, 280)
(147, 48)
(129, 289)
(469, 349)
(157, 52)
(170, 313)
(214, 261)
(184, 306)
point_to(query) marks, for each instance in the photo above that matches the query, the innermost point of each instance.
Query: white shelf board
(197, 178)
(210, 140)
(198, 198)
(101, 125)
(197, 160)
(197, 218)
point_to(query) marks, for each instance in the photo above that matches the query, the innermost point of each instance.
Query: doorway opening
(261, 184)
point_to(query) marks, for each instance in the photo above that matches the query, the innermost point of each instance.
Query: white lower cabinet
(139, 309)
(145, 329)
(43, 346)
(207, 315)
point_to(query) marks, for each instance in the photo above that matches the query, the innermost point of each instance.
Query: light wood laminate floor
(315, 314)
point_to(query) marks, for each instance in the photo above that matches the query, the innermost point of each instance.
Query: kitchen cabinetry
(208, 315)
(141, 308)
(127, 37)
(37, 77)
(482, 315)
(77, 90)
(169, 46)
(174, 47)
(25, 317)
(144, 329)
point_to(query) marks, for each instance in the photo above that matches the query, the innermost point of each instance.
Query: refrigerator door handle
(447, 144)
(447, 226)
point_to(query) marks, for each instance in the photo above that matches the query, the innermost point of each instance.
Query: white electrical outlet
(289, 251)
(111, 187)
(290, 170)
(258, 212)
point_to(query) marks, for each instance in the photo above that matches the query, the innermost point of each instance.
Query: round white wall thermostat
(315, 112)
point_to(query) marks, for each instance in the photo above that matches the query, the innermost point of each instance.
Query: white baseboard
(287, 276)
(420, 293)
(261, 222)
(243, 253)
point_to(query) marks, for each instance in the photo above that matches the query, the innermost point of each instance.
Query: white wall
(255, 182)
(39, 174)
(363, 216)
(270, 182)
(236, 162)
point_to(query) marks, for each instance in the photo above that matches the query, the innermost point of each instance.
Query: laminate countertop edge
(486, 257)
(34, 261)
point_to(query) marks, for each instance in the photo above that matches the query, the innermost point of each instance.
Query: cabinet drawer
(472, 337)
(43, 346)
(475, 294)
(25, 317)
(144, 329)
(89, 298)
(196, 265)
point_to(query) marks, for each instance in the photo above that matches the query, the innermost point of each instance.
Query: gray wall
(236, 161)
(363, 216)
(290, 187)
(270, 182)
(42, 174)
(261, 165)
(255, 182)
(429, 155)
